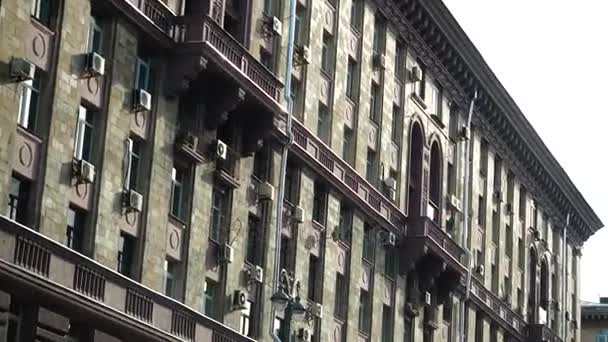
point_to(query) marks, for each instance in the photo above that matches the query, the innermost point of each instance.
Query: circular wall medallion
(82, 189)
(328, 18)
(26, 155)
(365, 278)
(131, 217)
(174, 239)
(353, 45)
(39, 45)
(93, 85)
(337, 334)
(348, 114)
(140, 119)
(387, 293)
(341, 258)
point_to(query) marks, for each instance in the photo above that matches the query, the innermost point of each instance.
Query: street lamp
(287, 299)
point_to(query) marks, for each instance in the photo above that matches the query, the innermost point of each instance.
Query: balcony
(542, 333)
(154, 17)
(199, 35)
(78, 287)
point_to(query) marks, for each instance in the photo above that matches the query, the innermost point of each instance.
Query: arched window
(415, 174)
(435, 183)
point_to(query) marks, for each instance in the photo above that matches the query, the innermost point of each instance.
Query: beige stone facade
(377, 170)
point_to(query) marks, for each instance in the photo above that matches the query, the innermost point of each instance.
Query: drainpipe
(565, 278)
(466, 223)
(280, 198)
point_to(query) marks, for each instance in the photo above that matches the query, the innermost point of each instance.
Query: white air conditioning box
(95, 65)
(455, 203)
(277, 26)
(427, 298)
(226, 253)
(298, 214)
(221, 150)
(265, 191)
(142, 101)
(135, 201)
(86, 171)
(239, 300)
(317, 310)
(303, 335)
(390, 183)
(416, 74)
(380, 61)
(306, 54)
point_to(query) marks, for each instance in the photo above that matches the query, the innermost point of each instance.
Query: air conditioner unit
(498, 195)
(239, 300)
(416, 74)
(265, 191)
(221, 150)
(86, 171)
(22, 69)
(390, 239)
(317, 310)
(95, 65)
(142, 100)
(455, 203)
(427, 298)
(380, 61)
(258, 274)
(134, 201)
(226, 253)
(306, 57)
(479, 269)
(275, 26)
(303, 335)
(297, 214)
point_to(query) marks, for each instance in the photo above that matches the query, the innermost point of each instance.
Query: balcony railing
(425, 227)
(74, 283)
(202, 29)
(542, 333)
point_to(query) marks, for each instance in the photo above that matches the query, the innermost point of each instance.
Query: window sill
(438, 121)
(419, 101)
(318, 225)
(177, 221)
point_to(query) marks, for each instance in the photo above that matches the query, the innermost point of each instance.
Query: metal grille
(32, 256)
(139, 305)
(89, 283)
(182, 325)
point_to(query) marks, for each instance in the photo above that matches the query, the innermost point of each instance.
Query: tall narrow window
(314, 276)
(368, 242)
(29, 94)
(435, 100)
(171, 269)
(126, 254)
(245, 324)
(435, 184)
(326, 53)
(355, 14)
(395, 129)
(75, 229)
(253, 240)
(135, 148)
(267, 59)
(345, 227)
(218, 213)
(85, 133)
(390, 263)
(481, 212)
(374, 102)
(178, 202)
(319, 209)
(483, 167)
(365, 312)
(324, 124)
(341, 299)
(211, 302)
(399, 61)
(296, 97)
(387, 324)
(371, 167)
(292, 183)
(454, 128)
(350, 78)
(421, 84)
(95, 39)
(42, 10)
(379, 35)
(300, 28)
(522, 203)
(143, 79)
(451, 179)
(18, 199)
(348, 145)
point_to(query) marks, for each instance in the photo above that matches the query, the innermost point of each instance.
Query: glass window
(178, 205)
(395, 131)
(211, 299)
(421, 85)
(347, 145)
(126, 254)
(95, 41)
(371, 167)
(522, 203)
(390, 263)
(374, 102)
(171, 269)
(75, 229)
(83, 142)
(350, 78)
(326, 53)
(481, 212)
(368, 242)
(454, 129)
(387, 324)
(18, 200)
(29, 95)
(218, 213)
(246, 319)
(355, 14)
(267, 59)
(268, 7)
(324, 124)
(344, 232)
(379, 35)
(253, 239)
(135, 154)
(435, 100)
(341, 299)
(42, 11)
(300, 29)
(314, 272)
(365, 311)
(292, 183)
(319, 203)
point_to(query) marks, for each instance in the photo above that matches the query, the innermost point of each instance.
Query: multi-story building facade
(141, 149)
(594, 321)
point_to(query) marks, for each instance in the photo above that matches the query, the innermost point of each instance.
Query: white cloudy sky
(552, 57)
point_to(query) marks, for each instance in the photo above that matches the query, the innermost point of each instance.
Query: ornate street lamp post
(287, 299)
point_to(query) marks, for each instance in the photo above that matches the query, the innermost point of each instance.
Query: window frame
(29, 101)
(85, 135)
(94, 28)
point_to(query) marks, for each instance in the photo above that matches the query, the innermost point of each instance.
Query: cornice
(497, 115)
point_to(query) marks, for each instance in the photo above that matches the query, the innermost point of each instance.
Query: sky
(552, 57)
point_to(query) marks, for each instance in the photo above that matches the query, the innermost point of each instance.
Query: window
(260, 164)
(134, 150)
(350, 79)
(95, 40)
(374, 102)
(218, 213)
(314, 274)
(85, 133)
(178, 196)
(371, 167)
(421, 85)
(522, 203)
(42, 11)
(368, 242)
(379, 35)
(345, 227)
(29, 94)
(451, 179)
(495, 227)
(399, 61)
(126, 254)
(286, 258)
(509, 238)
(387, 324)
(269, 7)
(246, 319)
(341, 304)
(348, 145)
(18, 199)
(497, 173)
(267, 59)
(292, 182)
(521, 252)
(143, 76)
(355, 14)
(319, 208)
(395, 129)
(300, 29)
(435, 181)
(365, 311)
(602, 336)
(296, 97)
(483, 162)
(253, 240)
(390, 262)
(326, 53)
(75, 229)
(171, 269)
(481, 212)
(212, 292)
(454, 128)
(324, 124)
(435, 99)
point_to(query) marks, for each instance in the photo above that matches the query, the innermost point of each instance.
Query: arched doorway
(415, 172)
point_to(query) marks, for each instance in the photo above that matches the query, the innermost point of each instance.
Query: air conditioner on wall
(85, 171)
(303, 335)
(265, 191)
(239, 300)
(416, 74)
(380, 61)
(134, 201)
(306, 55)
(221, 150)
(95, 65)
(298, 214)
(142, 101)
(22, 69)
(226, 253)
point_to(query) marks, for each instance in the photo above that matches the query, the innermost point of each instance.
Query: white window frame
(138, 68)
(94, 28)
(177, 183)
(245, 321)
(25, 99)
(81, 128)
